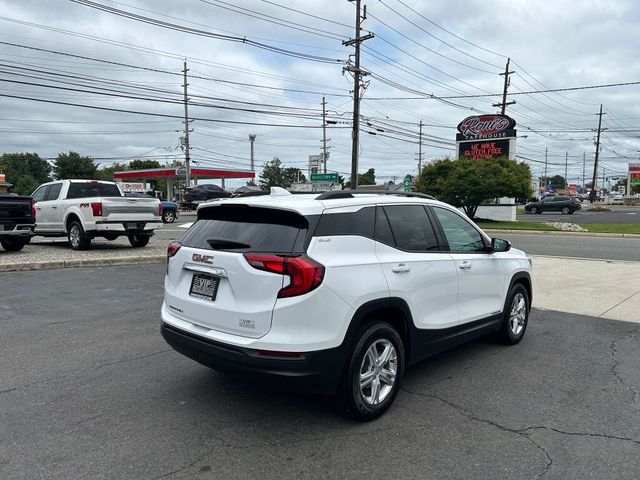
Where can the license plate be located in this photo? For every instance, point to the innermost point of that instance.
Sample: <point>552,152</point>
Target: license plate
<point>134,226</point>
<point>204,286</point>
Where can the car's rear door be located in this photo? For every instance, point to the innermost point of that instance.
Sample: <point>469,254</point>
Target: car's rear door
<point>211,284</point>
<point>50,210</point>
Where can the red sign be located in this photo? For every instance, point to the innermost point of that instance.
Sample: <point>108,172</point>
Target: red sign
<point>486,126</point>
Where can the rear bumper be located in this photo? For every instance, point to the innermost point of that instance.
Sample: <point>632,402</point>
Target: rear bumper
<point>19,230</point>
<point>146,227</point>
<point>317,372</point>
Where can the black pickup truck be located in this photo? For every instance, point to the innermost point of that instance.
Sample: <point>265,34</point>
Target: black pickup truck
<point>17,219</point>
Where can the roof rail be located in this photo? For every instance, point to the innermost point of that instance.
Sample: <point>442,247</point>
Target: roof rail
<point>335,194</point>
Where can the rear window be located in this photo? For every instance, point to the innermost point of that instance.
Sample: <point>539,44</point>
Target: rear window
<point>90,189</point>
<point>240,228</point>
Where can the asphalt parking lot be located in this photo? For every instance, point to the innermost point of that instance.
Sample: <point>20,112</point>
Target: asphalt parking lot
<point>89,389</point>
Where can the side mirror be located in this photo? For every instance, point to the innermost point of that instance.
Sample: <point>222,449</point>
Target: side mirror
<point>500,245</point>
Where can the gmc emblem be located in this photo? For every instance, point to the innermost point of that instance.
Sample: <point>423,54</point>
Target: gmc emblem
<point>196,257</point>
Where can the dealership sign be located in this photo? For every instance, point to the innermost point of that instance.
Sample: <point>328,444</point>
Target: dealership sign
<point>481,127</point>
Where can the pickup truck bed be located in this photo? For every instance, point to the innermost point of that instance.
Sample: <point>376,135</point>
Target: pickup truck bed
<point>16,221</point>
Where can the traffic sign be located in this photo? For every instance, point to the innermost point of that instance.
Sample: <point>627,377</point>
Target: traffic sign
<point>324,177</point>
<point>406,183</point>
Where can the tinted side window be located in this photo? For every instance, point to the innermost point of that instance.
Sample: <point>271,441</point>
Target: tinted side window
<point>460,234</point>
<point>353,223</point>
<point>411,228</point>
<point>383,230</point>
<point>40,193</point>
<point>54,191</point>
<point>242,229</point>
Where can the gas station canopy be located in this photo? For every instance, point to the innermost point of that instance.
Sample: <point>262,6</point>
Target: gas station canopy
<point>172,174</point>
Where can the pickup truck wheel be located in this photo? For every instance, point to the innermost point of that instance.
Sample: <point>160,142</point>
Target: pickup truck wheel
<point>373,373</point>
<point>168,216</point>
<point>138,241</point>
<point>13,244</point>
<point>78,239</point>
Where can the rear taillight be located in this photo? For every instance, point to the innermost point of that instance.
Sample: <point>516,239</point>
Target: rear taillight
<point>171,251</point>
<point>304,273</point>
<point>96,208</point>
<point>33,208</point>
<point>159,209</point>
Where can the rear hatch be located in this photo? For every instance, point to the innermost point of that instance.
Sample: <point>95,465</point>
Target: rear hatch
<point>210,282</point>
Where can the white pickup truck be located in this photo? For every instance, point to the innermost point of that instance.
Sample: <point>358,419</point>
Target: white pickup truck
<point>84,209</point>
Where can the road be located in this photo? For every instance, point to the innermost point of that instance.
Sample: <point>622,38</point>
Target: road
<point>617,215</point>
<point>578,246</point>
<point>89,390</point>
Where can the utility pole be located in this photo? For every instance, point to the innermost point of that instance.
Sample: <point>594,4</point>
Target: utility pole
<point>507,82</point>
<point>357,73</point>
<point>325,154</point>
<point>420,149</point>
<point>252,138</point>
<point>566,160</point>
<point>592,195</point>
<point>584,178</point>
<point>187,155</point>
<point>545,168</point>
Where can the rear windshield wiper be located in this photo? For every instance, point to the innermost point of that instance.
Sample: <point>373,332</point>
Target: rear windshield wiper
<point>223,243</point>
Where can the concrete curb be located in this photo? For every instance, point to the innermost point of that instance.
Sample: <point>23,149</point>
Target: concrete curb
<point>561,233</point>
<point>84,262</point>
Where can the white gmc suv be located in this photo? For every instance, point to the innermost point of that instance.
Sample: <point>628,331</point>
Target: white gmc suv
<point>338,293</point>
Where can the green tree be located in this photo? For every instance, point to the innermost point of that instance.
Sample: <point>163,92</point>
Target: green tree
<point>467,183</point>
<point>25,170</point>
<point>139,164</point>
<point>106,172</point>
<point>73,165</point>
<point>366,178</point>
<point>557,182</point>
<point>275,175</point>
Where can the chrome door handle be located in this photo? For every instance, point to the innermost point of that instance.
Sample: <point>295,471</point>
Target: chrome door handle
<point>400,268</point>
<point>54,206</point>
<point>464,265</point>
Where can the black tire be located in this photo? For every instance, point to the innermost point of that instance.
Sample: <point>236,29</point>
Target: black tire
<point>512,330</point>
<point>110,236</point>
<point>78,239</point>
<point>138,241</point>
<point>566,210</point>
<point>13,244</point>
<point>168,216</point>
<point>351,397</point>
<point>534,210</point>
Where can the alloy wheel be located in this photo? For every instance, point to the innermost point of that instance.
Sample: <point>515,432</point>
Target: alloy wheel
<point>378,372</point>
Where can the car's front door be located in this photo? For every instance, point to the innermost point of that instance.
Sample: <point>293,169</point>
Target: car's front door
<point>38,196</point>
<point>481,274</point>
<point>414,266</point>
<point>50,211</point>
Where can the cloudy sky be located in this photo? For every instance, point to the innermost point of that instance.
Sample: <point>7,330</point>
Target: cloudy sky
<point>71,52</point>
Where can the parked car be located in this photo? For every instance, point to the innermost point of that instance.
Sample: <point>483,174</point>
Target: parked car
<point>17,218</point>
<point>85,209</point>
<point>169,209</point>
<point>338,293</point>
<point>565,205</point>
<point>202,193</point>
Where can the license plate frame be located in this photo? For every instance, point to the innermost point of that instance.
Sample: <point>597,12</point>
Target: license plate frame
<point>206,286</point>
